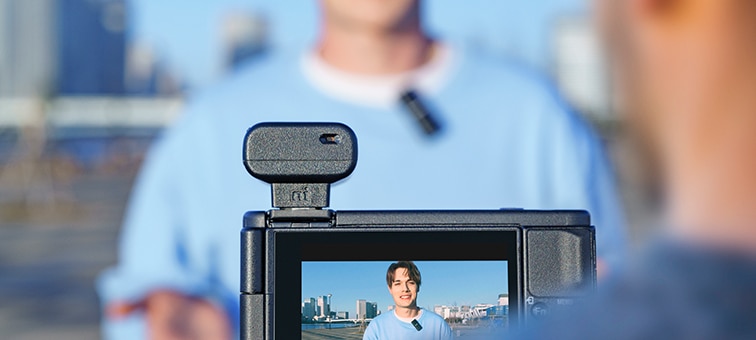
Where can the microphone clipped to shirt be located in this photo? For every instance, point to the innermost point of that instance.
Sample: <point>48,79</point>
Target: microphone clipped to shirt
<point>422,114</point>
<point>417,325</point>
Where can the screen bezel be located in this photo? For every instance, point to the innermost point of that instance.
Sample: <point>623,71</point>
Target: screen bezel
<point>290,246</point>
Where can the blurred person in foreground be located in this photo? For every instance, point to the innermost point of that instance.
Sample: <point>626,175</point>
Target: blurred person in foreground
<point>687,68</point>
<point>506,141</point>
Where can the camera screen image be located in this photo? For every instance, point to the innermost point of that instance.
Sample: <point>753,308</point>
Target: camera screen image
<point>335,283</point>
<point>341,298</point>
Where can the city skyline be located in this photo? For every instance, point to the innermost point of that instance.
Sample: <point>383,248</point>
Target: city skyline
<point>472,282</point>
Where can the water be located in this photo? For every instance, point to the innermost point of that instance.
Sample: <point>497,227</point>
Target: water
<point>328,325</point>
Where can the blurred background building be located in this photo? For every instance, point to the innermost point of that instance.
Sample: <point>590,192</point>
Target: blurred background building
<point>60,48</point>
<point>28,45</point>
<point>90,47</point>
<point>86,86</point>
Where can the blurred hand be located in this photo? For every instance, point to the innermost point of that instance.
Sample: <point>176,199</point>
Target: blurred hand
<point>172,316</point>
<point>602,270</point>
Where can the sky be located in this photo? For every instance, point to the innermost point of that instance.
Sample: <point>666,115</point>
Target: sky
<point>185,33</point>
<point>443,283</point>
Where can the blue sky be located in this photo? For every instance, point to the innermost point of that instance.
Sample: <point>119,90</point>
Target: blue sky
<point>185,33</point>
<point>443,283</point>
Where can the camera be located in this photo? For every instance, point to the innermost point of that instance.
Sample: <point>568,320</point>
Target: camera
<point>481,269</point>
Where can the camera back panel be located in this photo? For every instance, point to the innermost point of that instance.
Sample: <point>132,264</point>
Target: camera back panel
<point>550,256</point>
<point>537,261</point>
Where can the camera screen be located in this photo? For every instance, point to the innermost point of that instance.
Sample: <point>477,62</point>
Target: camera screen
<point>341,298</point>
<point>333,282</point>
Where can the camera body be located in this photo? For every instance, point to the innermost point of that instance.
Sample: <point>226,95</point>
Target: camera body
<point>538,261</point>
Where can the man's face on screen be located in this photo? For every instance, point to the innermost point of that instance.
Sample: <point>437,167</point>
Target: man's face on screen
<point>403,289</point>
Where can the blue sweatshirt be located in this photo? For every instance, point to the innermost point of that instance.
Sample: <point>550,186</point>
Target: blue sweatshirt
<point>388,326</point>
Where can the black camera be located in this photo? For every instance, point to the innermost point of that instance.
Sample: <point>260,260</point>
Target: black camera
<point>482,269</point>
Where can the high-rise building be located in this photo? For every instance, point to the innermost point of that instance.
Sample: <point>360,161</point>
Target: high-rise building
<point>580,68</point>
<point>91,47</point>
<point>371,310</point>
<point>324,305</point>
<point>309,308</point>
<point>503,300</point>
<point>68,47</point>
<point>366,309</point>
<point>361,309</point>
<point>27,47</point>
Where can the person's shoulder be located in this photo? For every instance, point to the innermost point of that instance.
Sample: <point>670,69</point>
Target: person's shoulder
<point>506,92</point>
<point>522,88</point>
<point>379,324</point>
<point>384,317</point>
<point>268,70</point>
<point>495,68</point>
<point>259,83</point>
<point>270,65</point>
<point>434,322</point>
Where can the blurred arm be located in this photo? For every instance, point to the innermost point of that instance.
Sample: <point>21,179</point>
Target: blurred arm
<point>153,288</point>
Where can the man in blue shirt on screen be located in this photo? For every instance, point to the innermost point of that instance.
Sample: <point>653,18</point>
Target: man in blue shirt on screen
<point>407,320</point>
<point>505,140</point>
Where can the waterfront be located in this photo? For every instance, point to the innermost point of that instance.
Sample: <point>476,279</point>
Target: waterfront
<point>460,332</point>
<point>352,333</point>
<point>52,250</point>
<point>326,325</point>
